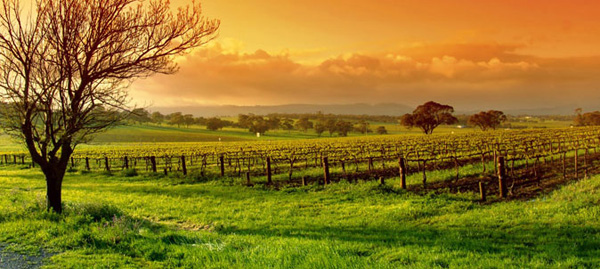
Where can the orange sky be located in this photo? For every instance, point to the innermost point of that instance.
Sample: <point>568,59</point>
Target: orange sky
<point>470,54</point>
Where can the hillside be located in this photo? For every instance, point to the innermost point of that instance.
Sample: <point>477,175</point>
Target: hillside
<point>342,109</point>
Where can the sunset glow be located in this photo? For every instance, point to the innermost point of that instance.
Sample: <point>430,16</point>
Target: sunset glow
<point>299,134</point>
<point>472,54</point>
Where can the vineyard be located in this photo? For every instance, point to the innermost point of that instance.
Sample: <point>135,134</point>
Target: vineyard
<point>530,157</point>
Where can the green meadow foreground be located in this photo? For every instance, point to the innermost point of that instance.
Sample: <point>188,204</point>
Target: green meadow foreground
<point>123,220</point>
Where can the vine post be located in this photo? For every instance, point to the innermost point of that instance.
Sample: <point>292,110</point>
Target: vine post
<point>402,169</point>
<point>502,177</point>
<point>326,179</point>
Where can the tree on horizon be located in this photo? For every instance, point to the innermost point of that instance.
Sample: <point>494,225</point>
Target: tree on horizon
<point>488,120</point>
<point>429,116</point>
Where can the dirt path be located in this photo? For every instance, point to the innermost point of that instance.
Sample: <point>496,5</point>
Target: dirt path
<point>13,260</point>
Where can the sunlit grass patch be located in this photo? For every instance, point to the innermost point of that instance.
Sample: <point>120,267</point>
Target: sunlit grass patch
<point>132,222</point>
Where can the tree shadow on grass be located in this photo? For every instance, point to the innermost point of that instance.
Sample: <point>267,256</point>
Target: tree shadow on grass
<point>550,244</point>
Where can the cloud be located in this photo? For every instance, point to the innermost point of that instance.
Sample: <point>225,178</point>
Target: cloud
<point>470,76</point>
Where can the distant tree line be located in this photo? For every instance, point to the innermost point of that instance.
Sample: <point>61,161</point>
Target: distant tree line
<point>587,119</point>
<point>488,120</point>
<point>143,116</point>
<point>430,115</point>
<point>319,122</point>
<point>426,117</point>
<point>352,118</point>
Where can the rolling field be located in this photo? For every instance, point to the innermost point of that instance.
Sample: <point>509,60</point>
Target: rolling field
<point>165,133</point>
<point>156,222</point>
<point>130,219</point>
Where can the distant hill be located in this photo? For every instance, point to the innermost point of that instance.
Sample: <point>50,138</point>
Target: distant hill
<point>570,110</point>
<point>389,109</point>
<point>539,111</point>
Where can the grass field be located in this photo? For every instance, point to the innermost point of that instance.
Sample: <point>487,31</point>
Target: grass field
<point>118,221</point>
<point>166,133</point>
<point>126,220</point>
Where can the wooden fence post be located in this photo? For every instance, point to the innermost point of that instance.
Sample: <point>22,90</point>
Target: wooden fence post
<point>87,163</point>
<point>482,191</point>
<point>106,165</point>
<point>183,166</point>
<point>402,173</point>
<point>326,179</point>
<point>269,179</point>
<point>501,177</point>
<point>222,163</point>
<point>153,163</point>
<point>126,162</point>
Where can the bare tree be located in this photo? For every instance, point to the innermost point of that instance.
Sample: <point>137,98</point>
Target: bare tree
<point>65,68</point>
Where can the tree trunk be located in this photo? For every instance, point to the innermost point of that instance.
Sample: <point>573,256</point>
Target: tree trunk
<point>54,169</point>
<point>54,178</point>
<point>54,194</point>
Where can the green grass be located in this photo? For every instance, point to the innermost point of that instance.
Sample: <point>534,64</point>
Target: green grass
<point>9,144</point>
<point>166,133</point>
<point>134,221</point>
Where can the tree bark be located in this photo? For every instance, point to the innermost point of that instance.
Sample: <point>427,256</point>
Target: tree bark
<point>54,193</point>
<point>54,172</point>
